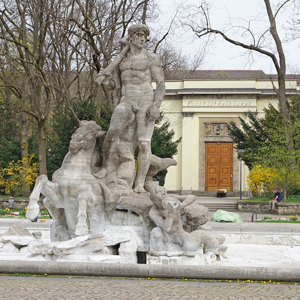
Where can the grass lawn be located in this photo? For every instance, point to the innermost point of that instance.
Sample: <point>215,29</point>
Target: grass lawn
<point>284,219</point>
<point>17,197</point>
<point>290,198</point>
<point>276,221</point>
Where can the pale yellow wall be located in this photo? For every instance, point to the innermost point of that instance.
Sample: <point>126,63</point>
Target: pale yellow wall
<point>195,157</point>
<point>208,84</point>
<point>172,113</point>
<point>262,103</point>
<point>187,153</point>
<point>267,84</point>
<point>171,106</point>
<point>172,85</point>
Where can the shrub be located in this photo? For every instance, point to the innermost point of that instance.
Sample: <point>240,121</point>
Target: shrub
<point>260,177</point>
<point>16,173</point>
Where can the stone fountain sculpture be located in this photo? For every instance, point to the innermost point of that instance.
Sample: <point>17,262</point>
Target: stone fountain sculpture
<point>112,208</point>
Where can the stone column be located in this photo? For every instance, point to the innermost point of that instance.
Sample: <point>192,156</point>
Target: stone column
<point>187,152</point>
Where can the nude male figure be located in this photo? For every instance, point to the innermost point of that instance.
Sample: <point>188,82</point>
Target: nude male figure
<point>138,103</point>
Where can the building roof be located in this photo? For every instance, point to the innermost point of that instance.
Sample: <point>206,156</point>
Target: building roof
<point>224,75</point>
<point>205,82</point>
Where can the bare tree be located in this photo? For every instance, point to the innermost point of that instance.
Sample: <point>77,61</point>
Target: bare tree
<point>256,44</point>
<point>25,25</point>
<point>53,49</point>
<point>293,24</point>
<point>100,25</point>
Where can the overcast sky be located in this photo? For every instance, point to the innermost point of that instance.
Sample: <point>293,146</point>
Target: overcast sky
<point>223,55</point>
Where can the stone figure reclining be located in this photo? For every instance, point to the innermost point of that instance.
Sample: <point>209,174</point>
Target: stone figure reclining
<point>169,235</point>
<point>169,238</point>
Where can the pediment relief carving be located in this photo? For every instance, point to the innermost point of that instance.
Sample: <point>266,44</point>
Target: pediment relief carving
<point>216,128</point>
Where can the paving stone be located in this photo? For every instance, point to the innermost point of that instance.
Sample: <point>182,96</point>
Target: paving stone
<point>23,288</point>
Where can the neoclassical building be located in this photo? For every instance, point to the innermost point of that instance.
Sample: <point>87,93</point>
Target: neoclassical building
<point>199,108</point>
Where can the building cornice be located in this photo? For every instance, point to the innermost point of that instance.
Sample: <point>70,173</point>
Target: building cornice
<point>228,92</point>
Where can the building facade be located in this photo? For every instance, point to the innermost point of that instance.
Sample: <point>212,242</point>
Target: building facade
<point>199,109</point>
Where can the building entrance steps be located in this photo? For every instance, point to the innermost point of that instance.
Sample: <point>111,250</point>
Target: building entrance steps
<point>213,203</point>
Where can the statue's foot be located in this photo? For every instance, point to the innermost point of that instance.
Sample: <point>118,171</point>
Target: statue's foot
<point>101,173</point>
<point>139,189</point>
<point>168,162</point>
<point>81,230</point>
<point>162,163</point>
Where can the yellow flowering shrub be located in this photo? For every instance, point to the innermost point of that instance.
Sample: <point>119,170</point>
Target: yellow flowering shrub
<point>2,182</point>
<point>258,177</point>
<point>16,173</point>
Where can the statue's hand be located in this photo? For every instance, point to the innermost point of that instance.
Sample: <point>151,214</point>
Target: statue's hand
<point>153,113</point>
<point>170,204</point>
<point>103,77</point>
<point>125,40</point>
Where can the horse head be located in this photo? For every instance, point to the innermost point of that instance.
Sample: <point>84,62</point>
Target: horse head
<point>85,136</point>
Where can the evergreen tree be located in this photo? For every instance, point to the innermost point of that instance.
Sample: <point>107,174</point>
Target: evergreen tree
<point>250,137</point>
<point>163,146</point>
<point>266,143</point>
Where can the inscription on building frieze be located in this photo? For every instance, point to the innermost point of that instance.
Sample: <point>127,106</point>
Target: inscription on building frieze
<point>224,103</point>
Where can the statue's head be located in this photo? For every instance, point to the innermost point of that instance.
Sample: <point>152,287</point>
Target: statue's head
<point>138,28</point>
<point>158,194</point>
<point>138,34</point>
<point>85,136</point>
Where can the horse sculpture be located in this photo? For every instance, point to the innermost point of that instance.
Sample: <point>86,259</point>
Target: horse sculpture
<point>74,191</point>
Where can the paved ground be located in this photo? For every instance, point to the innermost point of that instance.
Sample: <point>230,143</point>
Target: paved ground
<point>23,288</point>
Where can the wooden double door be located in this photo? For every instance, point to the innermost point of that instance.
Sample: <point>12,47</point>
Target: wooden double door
<point>218,166</point>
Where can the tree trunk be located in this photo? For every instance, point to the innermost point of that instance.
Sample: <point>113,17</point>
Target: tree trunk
<point>145,12</point>
<point>42,147</point>
<point>24,150</point>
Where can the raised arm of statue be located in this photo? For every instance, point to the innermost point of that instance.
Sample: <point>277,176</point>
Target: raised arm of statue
<point>190,199</point>
<point>106,74</point>
<point>125,40</point>
<point>186,200</point>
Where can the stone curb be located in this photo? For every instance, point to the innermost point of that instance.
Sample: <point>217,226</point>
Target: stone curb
<point>153,271</point>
